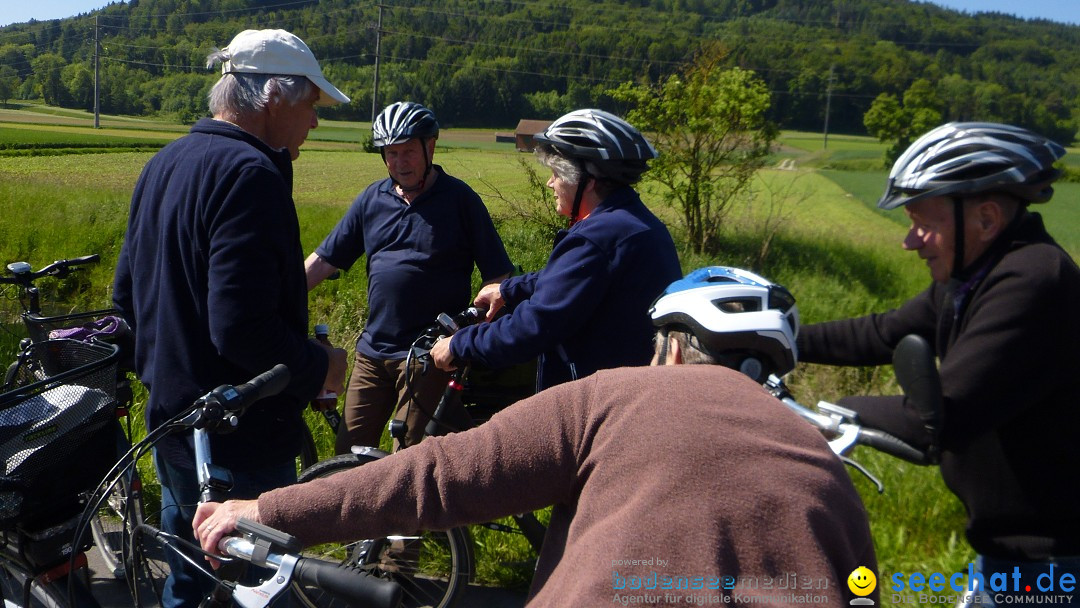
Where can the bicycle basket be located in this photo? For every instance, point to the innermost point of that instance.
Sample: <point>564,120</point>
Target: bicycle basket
<point>43,328</point>
<point>56,439</point>
<point>103,325</point>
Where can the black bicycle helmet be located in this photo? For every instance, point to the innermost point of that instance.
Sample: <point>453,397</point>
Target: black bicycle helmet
<point>608,146</point>
<point>743,320</point>
<point>963,158</point>
<point>402,121</point>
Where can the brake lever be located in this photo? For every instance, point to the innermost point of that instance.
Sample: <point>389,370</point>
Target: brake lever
<point>858,467</point>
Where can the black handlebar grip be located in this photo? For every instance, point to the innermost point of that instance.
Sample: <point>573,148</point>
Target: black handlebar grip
<point>357,587</point>
<point>880,440</point>
<point>266,384</point>
<point>86,259</point>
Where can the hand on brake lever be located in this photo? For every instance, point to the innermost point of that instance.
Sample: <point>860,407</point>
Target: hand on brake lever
<point>214,521</point>
<point>441,355</point>
<point>489,297</point>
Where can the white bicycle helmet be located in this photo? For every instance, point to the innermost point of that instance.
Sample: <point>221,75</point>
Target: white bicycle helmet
<point>402,121</point>
<point>609,147</point>
<point>742,319</point>
<point>961,158</point>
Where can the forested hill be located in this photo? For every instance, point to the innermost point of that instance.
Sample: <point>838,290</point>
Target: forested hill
<point>489,63</point>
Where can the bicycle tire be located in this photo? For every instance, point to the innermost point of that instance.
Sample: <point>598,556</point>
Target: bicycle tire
<point>309,454</point>
<point>433,568</point>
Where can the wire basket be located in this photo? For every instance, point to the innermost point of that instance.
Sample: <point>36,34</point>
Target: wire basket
<point>40,327</point>
<point>104,325</point>
<point>58,433</point>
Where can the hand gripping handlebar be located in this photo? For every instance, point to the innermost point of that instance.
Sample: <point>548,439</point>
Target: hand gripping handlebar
<point>269,548</point>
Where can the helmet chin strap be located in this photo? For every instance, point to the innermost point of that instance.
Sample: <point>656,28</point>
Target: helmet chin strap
<point>575,209</point>
<point>958,240</point>
<point>661,355</point>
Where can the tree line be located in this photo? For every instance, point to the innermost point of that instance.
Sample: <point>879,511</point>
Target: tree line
<point>490,63</point>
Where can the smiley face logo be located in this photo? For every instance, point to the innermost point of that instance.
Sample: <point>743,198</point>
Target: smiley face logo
<point>862,581</point>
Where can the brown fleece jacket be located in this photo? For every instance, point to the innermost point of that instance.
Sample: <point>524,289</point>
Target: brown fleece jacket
<point>668,482</point>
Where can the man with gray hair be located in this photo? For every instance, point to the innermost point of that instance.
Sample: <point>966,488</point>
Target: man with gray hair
<point>211,276</point>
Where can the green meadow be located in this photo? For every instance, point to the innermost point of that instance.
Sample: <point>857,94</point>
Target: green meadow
<point>64,191</point>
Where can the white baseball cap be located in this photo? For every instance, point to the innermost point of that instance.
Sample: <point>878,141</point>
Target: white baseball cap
<point>278,52</point>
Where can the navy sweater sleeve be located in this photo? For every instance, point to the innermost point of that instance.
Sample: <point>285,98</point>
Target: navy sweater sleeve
<point>519,288</point>
<point>565,294</point>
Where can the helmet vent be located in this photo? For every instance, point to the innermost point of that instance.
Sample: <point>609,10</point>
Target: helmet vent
<point>738,305</point>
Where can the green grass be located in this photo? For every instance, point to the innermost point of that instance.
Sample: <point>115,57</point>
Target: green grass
<point>37,136</point>
<point>837,253</point>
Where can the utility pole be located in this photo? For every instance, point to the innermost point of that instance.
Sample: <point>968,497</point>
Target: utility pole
<point>828,102</point>
<point>375,91</point>
<point>97,53</point>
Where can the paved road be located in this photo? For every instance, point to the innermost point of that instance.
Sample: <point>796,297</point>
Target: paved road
<point>113,593</point>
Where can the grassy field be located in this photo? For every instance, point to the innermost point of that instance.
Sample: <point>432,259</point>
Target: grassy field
<point>835,251</point>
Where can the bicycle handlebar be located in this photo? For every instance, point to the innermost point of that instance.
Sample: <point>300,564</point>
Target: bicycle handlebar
<point>220,408</point>
<point>845,428</point>
<point>356,587</point>
<point>23,274</point>
<point>266,384</point>
<point>893,446</point>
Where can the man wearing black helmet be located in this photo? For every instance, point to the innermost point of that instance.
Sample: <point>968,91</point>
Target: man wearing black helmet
<point>421,230</point>
<point>1001,316</point>
<point>751,508</point>
<point>584,310</point>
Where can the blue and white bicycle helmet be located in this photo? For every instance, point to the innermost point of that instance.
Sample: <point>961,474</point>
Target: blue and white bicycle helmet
<point>963,158</point>
<point>743,320</point>
<point>402,121</point>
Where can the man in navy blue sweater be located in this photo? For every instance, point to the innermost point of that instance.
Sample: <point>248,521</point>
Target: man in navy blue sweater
<point>211,277</point>
<point>586,310</point>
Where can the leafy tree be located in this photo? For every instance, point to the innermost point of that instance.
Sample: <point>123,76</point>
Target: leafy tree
<point>47,71</point>
<point>709,126</point>
<point>78,81</point>
<point>9,83</point>
<point>890,121</point>
<point>184,95</point>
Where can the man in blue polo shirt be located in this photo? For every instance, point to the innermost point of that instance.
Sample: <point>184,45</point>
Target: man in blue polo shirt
<point>421,230</point>
<point>587,309</point>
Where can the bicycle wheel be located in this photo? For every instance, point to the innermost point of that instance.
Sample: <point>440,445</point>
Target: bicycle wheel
<point>144,555</point>
<point>119,514</point>
<point>432,568</point>
<point>117,518</point>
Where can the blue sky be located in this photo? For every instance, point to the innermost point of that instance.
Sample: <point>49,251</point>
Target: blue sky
<point>1068,11</point>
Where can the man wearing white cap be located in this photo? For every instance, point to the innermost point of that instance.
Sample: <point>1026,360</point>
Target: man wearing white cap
<point>211,276</point>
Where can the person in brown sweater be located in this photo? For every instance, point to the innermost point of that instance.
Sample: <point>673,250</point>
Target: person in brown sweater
<point>673,484</point>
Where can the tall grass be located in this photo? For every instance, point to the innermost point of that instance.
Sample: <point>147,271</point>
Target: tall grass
<point>837,253</point>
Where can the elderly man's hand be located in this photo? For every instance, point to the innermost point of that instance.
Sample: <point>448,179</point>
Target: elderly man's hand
<point>490,297</point>
<point>441,355</point>
<point>214,521</point>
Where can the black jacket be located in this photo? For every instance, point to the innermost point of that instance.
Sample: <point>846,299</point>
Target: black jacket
<point>211,277</point>
<point>1008,359</point>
